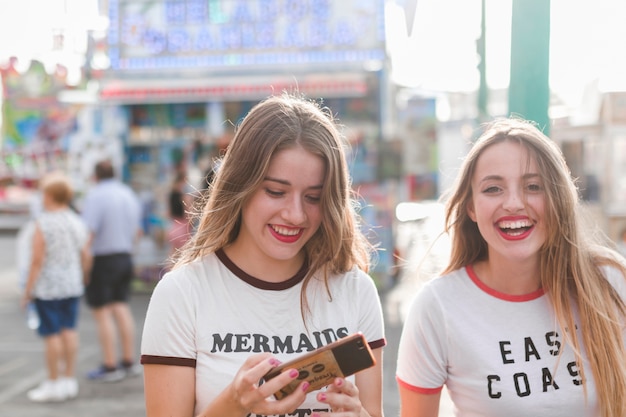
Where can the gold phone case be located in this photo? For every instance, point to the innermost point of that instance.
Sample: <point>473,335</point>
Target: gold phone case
<point>320,367</point>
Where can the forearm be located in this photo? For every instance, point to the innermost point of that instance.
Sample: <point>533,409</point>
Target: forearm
<point>370,385</point>
<point>170,391</point>
<point>370,409</point>
<point>86,265</point>
<point>224,405</point>
<point>33,274</point>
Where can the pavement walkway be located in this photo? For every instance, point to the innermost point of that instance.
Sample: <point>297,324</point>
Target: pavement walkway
<point>22,361</point>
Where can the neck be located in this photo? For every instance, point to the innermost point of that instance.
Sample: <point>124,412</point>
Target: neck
<point>510,278</point>
<point>52,206</point>
<point>262,267</point>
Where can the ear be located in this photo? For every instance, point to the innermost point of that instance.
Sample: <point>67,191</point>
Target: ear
<point>470,211</point>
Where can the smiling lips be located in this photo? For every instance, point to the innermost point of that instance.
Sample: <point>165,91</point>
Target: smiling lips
<point>286,234</point>
<point>516,229</point>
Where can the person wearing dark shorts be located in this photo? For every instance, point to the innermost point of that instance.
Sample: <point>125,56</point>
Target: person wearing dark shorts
<point>110,280</point>
<point>112,212</point>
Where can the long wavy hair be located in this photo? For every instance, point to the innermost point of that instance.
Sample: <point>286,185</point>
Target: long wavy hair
<point>278,123</point>
<point>570,258</point>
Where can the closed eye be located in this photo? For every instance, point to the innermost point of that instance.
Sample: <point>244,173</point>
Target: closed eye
<point>314,199</point>
<point>491,190</point>
<point>274,193</point>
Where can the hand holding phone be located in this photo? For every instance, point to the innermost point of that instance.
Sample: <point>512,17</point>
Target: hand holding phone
<point>320,367</point>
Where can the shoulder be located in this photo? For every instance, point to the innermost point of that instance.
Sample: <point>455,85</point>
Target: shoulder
<point>45,219</point>
<point>130,193</point>
<point>616,278</point>
<point>174,288</point>
<point>76,220</point>
<point>188,278</point>
<point>127,188</point>
<point>94,194</point>
<point>353,287</point>
<point>446,282</point>
<point>355,278</point>
<point>72,215</point>
<point>444,288</point>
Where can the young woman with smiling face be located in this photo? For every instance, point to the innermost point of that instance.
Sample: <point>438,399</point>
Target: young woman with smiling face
<point>508,209</point>
<point>276,268</point>
<point>281,216</point>
<point>529,316</point>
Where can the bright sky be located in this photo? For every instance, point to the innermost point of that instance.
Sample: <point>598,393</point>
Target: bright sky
<point>26,27</point>
<point>586,44</point>
<point>586,41</point>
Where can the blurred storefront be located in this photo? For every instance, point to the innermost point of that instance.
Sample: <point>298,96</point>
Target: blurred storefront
<point>182,73</point>
<point>596,155</point>
<point>35,130</point>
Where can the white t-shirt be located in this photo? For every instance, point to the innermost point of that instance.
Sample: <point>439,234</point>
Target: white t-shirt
<point>497,354</point>
<point>211,315</point>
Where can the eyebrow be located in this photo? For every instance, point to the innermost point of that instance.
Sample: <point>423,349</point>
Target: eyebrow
<point>530,175</point>
<point>285,182</point>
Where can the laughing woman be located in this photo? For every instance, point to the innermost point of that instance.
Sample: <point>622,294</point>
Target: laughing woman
<point>528,318</point>
<point>277,267</point>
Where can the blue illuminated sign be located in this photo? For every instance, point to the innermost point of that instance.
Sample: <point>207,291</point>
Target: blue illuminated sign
<point>224,34</point>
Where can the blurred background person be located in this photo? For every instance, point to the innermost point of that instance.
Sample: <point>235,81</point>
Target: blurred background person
<point>112,212</point>
<point>179,204</point>
<point>60,261</point>
<point>24,244</point>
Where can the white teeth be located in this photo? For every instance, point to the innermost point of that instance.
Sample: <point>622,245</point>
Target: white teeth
<point>515,225</point>
<point>284,231</point>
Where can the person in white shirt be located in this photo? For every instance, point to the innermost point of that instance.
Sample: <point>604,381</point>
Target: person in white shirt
<point>529,315</point>
<point>277,267</point>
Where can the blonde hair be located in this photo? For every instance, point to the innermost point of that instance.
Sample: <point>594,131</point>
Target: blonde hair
<point>275,124</point>
<point>57,185</point>
<point>570,259</point>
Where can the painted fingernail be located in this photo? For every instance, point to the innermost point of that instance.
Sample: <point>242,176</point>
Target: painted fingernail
<point>339,382</point>
<point>274,362</point>
<point>321,397</point>
<point>293,373</point>
<point>305,386</point>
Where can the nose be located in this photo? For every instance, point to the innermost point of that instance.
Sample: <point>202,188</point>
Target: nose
<point>514,201</point>
<point>294,211</point>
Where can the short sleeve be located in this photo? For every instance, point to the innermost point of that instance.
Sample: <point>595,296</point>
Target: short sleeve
<point>617,280</point>
<point>169,327</point>
<point>422,354</point>
<point>371,316</point>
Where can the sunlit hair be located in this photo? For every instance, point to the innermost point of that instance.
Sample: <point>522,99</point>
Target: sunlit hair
<point>58,187</point>
<point>275,124</point>
<point>569,259</point>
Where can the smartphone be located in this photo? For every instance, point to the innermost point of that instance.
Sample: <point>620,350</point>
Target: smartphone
<point>320,367</point>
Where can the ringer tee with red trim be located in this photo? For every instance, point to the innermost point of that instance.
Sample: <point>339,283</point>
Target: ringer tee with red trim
<point>212,316</point>
<point>497,354</point>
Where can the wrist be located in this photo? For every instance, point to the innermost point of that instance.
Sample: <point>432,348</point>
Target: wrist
<point>233,400</point>
<point>226,404</point>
